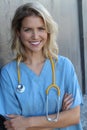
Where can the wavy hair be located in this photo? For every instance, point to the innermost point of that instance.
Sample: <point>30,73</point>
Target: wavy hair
<point>37,9</point>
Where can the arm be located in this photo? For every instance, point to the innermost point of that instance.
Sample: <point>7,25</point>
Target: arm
<point>66,118</point>
<point>67,101</point>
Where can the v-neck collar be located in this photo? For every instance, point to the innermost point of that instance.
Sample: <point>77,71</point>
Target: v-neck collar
<point>32,73</point>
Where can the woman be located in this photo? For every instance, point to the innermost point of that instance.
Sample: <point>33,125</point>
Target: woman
<point>25,80</point>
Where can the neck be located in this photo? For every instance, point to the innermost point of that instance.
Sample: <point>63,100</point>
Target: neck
<point>35,58</point>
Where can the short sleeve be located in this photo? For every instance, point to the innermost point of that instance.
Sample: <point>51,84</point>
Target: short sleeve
<point>9,103</point>
<point>72,85</point>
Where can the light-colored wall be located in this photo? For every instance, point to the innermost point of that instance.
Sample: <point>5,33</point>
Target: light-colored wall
<point>65,14</point>
<point>68,39</point>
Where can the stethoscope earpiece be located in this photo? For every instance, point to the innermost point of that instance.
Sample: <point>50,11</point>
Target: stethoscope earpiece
<point>20,88</point>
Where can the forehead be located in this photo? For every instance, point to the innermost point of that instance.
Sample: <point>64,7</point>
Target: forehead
<point>33,21</point>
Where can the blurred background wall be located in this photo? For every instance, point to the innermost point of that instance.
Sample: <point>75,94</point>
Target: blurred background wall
<point>71,17</point>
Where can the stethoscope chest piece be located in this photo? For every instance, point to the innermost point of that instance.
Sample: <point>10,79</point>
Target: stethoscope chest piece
<point>20,88</point>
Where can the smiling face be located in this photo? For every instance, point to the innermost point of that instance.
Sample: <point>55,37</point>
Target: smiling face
<point>33,34</point>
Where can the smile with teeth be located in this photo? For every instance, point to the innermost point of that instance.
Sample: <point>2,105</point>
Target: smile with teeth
<point>35,43</point>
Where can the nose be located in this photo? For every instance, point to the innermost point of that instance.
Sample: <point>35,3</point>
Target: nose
<point>35,34</point>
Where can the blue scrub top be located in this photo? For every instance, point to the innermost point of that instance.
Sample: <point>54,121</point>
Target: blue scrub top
<point>32,102</point>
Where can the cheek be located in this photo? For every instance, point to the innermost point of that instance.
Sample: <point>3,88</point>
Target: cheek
<point>45,36</point>
<point>24,36</point>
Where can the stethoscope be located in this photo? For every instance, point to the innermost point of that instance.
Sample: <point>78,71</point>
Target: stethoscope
<point>21,89</point>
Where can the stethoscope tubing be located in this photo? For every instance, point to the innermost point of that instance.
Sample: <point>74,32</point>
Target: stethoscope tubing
<point>21,89</point>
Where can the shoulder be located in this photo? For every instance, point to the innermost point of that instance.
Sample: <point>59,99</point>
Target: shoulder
<point>64,62</point>
<point>65,66</point>
<point>63,59</point>
<point>9,67</point>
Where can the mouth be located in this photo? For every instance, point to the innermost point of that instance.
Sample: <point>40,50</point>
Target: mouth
<point>35,42</point>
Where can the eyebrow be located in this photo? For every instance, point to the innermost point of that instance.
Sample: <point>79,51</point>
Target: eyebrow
<point>37,27</point>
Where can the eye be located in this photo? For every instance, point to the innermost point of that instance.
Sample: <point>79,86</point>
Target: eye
<point>41,29</point>
<point>27,29</point>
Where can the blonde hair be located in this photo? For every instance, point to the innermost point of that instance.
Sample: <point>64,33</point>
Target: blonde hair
<point>29,9</point>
